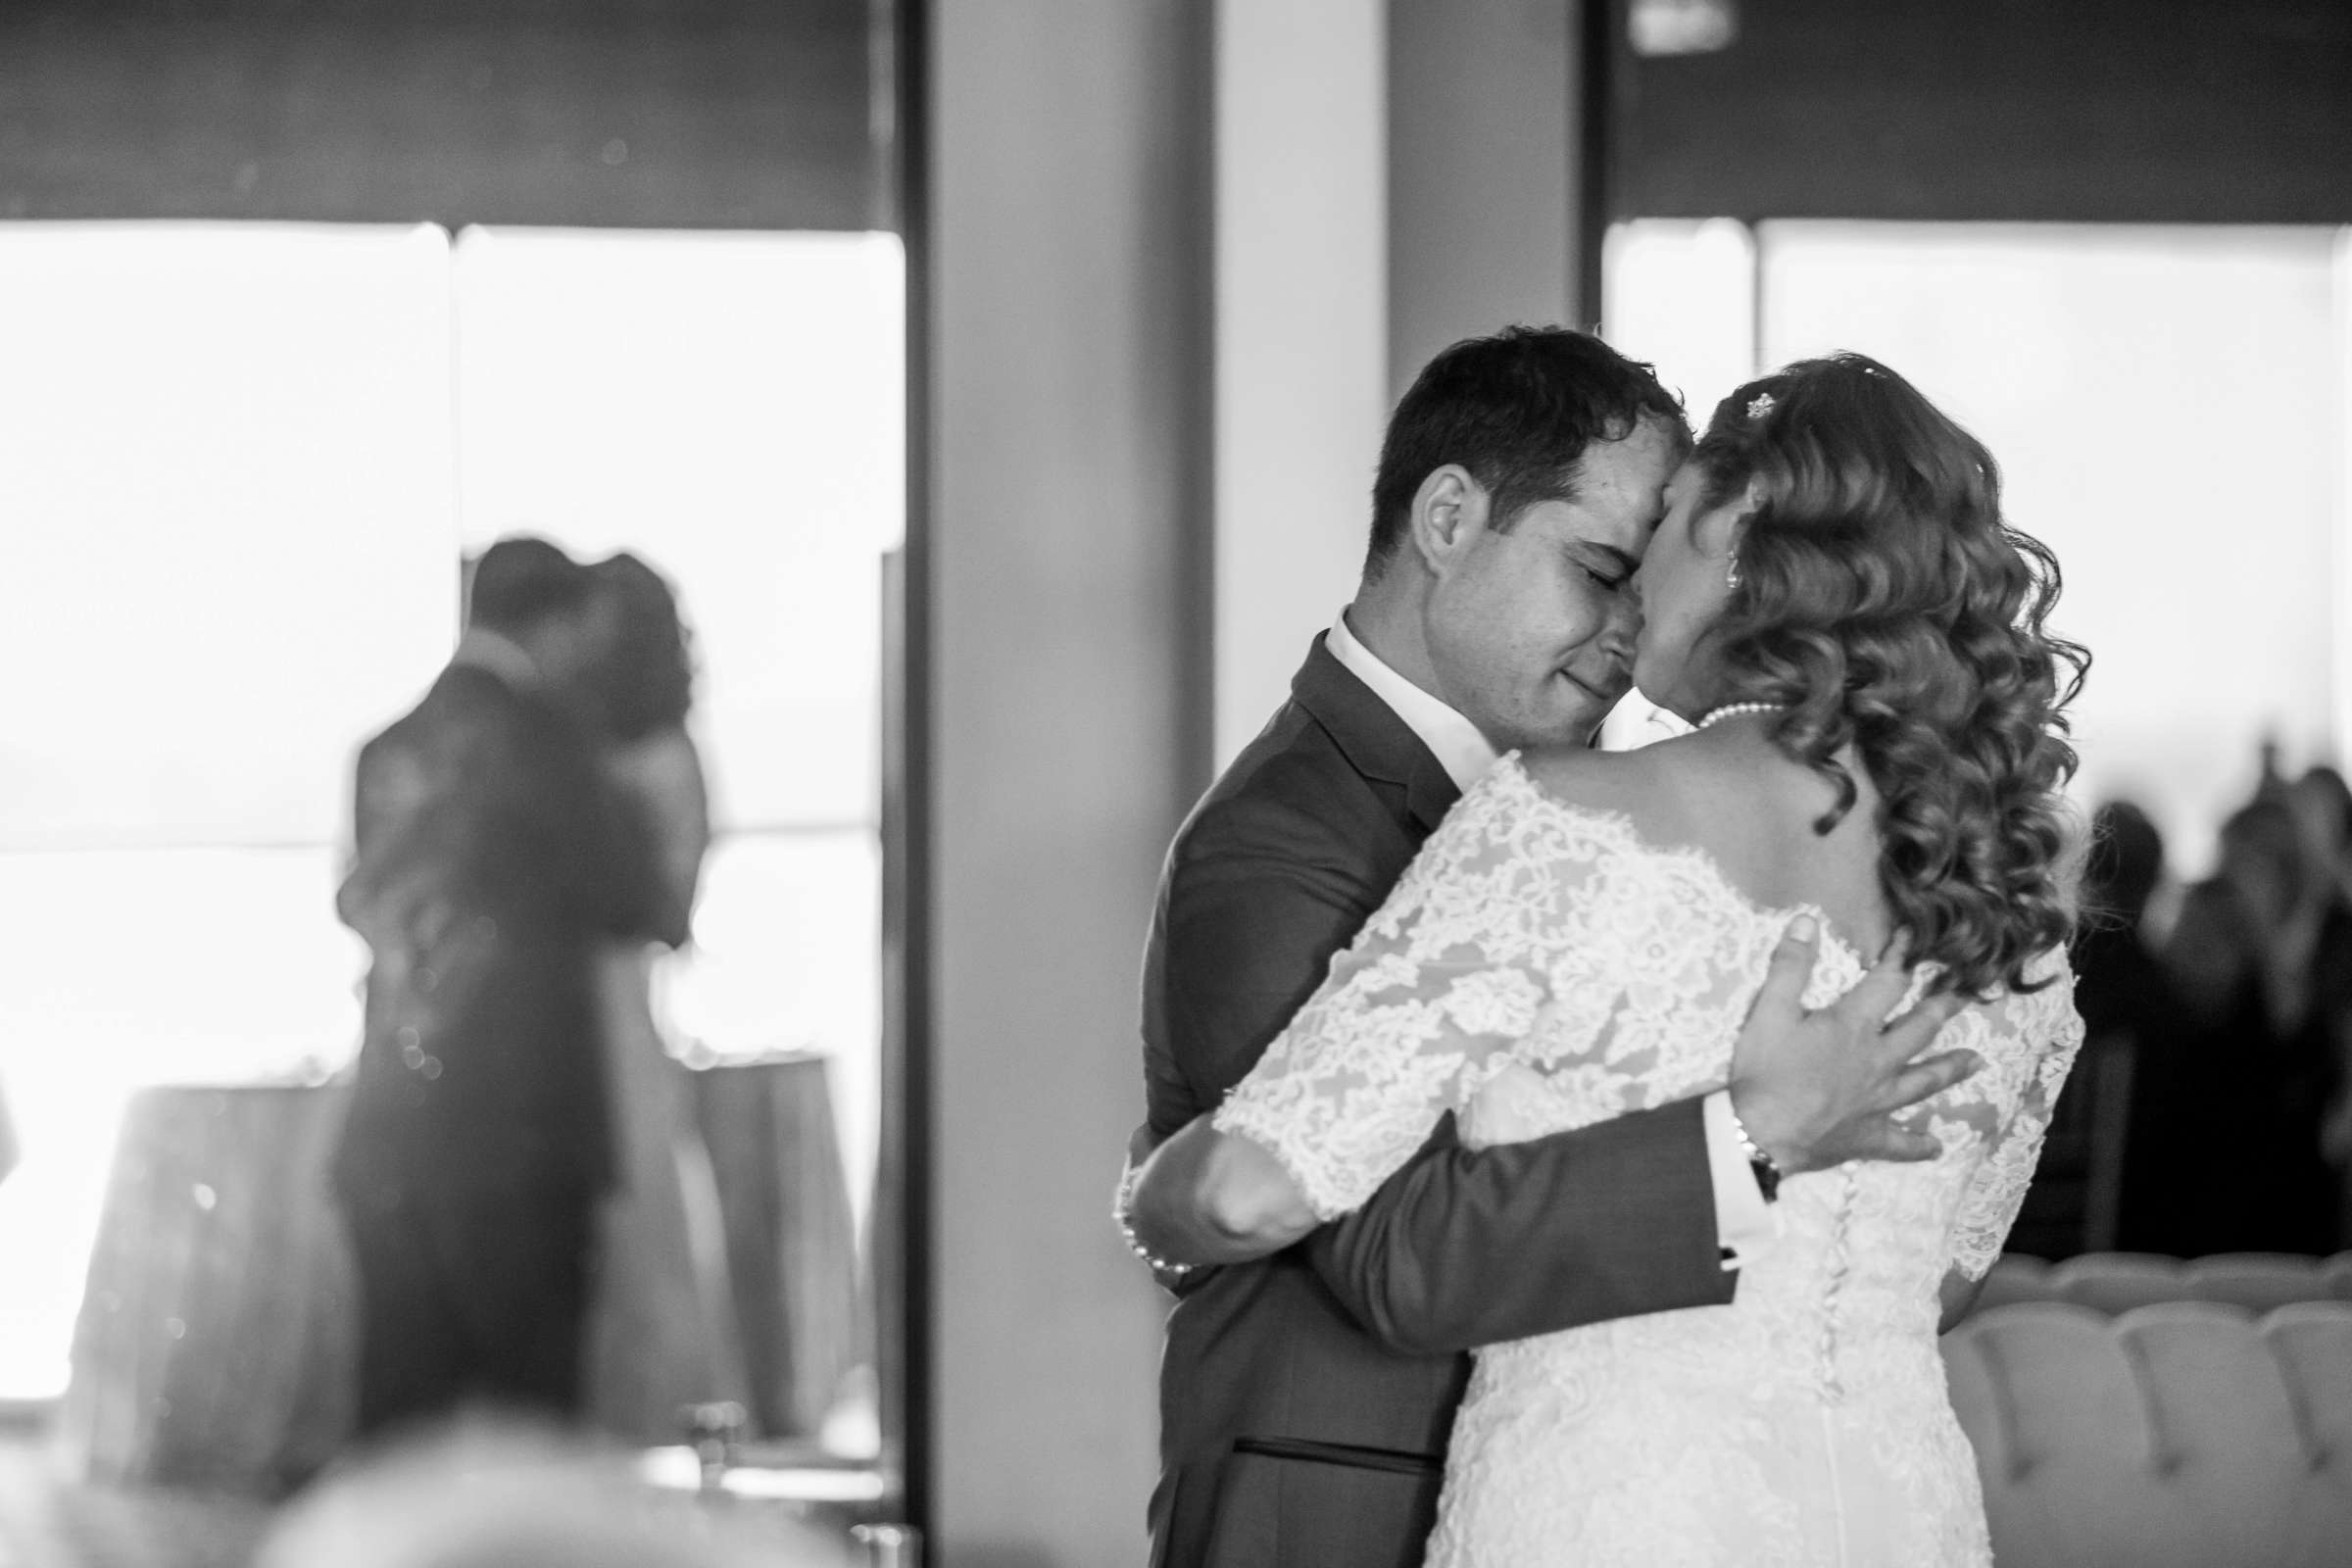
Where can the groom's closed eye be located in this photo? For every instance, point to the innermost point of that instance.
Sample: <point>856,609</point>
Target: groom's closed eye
<point>1605,564</point>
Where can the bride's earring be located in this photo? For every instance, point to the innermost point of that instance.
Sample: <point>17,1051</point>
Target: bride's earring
<point>1731,573</point>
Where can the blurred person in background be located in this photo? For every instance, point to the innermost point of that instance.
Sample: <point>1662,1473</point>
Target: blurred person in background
<point>516,1497</point>
<point>2323,805</point>
<point>2225,1149</point>
<point>2120,987</point>
<point>663,1335</point>
<point>493,860</point>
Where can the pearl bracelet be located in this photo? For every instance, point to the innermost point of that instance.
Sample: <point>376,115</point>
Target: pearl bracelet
<point>1123,1208</point>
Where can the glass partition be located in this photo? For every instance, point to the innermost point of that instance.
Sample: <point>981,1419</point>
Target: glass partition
<point>252,464</point>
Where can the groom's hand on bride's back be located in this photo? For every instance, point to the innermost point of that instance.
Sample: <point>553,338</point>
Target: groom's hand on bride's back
<point>1816,1088</point>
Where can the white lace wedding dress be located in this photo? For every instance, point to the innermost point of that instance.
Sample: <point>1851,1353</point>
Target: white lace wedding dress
<point>1541,967</point>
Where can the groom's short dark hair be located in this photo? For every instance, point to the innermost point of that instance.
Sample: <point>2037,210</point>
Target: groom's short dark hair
<point>521,581</point>
<point>1516,410</point>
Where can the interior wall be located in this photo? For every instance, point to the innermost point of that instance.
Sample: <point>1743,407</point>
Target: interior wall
<point>1480,172</point>
<point>1301,327</point>
<point>1069,156</point>
<point>1392,176</point>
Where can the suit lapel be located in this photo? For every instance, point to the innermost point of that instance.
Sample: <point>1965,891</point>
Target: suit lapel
<point>1376,742</point>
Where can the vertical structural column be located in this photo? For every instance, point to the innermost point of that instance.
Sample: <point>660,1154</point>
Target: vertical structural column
<point>1482,172</point>
<point>1068,342</point>
<point>1301,331</point>
<point>2340,705</point>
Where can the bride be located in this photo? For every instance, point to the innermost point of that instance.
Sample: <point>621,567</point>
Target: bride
<point>1834,599</point>
<point>663,1337</point>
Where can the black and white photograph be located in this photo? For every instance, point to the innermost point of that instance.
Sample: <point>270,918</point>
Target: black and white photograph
<point>1178,783</point>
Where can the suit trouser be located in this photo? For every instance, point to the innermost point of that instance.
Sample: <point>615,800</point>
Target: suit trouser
<point>1289,1503</point>
<point>471,1294</point>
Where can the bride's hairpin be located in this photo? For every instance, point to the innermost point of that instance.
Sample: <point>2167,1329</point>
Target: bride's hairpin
<point>1760,405</point>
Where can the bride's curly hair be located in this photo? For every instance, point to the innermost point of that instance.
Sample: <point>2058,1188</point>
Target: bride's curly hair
<point>1882,600</point>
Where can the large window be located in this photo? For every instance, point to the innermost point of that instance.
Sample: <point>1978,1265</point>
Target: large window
<point>242,465</point>
<point>2170,407</point>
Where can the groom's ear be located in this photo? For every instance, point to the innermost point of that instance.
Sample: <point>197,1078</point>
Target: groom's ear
<point>1449,511</point>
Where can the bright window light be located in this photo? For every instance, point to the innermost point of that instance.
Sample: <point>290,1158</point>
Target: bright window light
<point>225,455</point>
<point>1682,296</point>
<point>2165,406</point>
<point>732,407</point>
<point>244,463</point>
<point>2170,409</point>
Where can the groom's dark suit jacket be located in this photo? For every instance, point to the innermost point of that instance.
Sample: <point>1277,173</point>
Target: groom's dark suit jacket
<point>492,861</point>
<point>1305,1399</point>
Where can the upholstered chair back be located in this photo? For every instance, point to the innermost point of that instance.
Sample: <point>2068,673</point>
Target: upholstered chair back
<point>2176,1435</point>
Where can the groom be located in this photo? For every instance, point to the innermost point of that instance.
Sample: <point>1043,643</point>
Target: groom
<point>1305,1399</point>
<point>491,857</point>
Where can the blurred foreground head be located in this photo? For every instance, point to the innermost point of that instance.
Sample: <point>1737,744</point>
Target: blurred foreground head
<point>514,1498</point>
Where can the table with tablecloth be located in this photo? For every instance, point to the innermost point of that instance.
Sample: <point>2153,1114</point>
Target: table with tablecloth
<point>215,1340</point>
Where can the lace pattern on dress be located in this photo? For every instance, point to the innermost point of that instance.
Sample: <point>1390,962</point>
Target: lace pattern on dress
<point>1541,967</point>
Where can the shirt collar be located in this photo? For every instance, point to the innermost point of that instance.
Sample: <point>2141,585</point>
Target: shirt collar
<point>1454,740</point>
<point>1664,724</point>
<point>1637,721</point>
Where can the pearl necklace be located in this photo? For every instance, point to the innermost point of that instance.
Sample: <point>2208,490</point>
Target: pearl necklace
<point>1735,709</point>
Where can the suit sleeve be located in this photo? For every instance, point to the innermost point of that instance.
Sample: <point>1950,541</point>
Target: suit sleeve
<point>354,894</point>
<point>1257,908</point>
<point>1464,1246</point>
<point>1460,1246</point>
<point>403,836</point>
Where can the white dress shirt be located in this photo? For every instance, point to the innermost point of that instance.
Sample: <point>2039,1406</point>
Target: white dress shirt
<point>1743,1219</point>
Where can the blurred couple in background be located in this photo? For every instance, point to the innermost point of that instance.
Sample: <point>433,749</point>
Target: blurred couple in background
<point>518,1176</point>
<point>2239,1013</point>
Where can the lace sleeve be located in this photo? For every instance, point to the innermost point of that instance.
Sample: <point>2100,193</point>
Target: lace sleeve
<point>1998,1188</point>
<point>1423,1008</point>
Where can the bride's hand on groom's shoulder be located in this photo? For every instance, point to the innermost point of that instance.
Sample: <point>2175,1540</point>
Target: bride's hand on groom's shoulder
<point>1818,1088</point>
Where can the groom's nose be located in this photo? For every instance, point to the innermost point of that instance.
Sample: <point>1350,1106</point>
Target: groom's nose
<point>1623,630</point>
